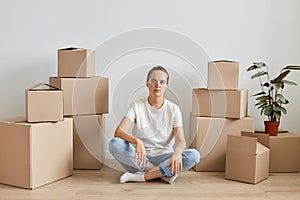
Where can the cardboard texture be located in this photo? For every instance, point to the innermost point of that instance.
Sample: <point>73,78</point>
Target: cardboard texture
<point>35,154</point>
<point>88,141</point>
<point>220,103</point>
<point>246,160</point>
<point>209,136</point>
<point>284,150</point>
<point>83,96</point>
<point>44,105</point>
<point>76,62</point>
<point>223,75</point>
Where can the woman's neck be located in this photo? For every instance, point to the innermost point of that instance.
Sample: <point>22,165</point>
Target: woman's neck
<point>156,102</point>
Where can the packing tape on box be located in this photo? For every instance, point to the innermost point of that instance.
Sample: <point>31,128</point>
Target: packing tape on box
<point>45,84</point>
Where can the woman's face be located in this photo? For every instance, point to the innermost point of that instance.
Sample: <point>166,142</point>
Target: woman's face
<point>157,83</point>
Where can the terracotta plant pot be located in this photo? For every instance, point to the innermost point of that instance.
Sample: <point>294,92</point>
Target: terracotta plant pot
<point>271,128</point>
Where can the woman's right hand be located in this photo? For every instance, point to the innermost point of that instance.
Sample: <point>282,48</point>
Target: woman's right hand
<point>140,153</point>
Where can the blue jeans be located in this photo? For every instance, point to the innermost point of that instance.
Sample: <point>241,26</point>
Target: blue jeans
<point>124,153</point>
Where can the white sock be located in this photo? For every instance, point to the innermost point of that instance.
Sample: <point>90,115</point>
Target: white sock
<point>169,180</point>
<point>138,177</point>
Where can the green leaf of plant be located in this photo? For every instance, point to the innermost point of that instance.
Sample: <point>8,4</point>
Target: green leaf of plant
<point>262,98</point>
<point>260,93</point>
<point>288,82</point>
<point>276,86</point>
<point>262,106</point>
<point>260,103</point>
<point>287,101</point>
<point>280,97</point>
<point>268,110</point>
<point>276,108</point>
<point>277,115</point>
<point>259,64</point>
<point>280,102</point>
<point>262,110</point>
<point>252,68</point>
<point>258,74</point>
<point>291,67</point>
<point>283,110</point>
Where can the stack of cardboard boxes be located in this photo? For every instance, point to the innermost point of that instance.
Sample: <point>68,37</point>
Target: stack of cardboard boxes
<point>284,150</point>
<point>38,149</point>
<point>85,100</point>
<point>217,111</point>
<point>250,164</point>
<point>63,128</point>
<point>224,134</point>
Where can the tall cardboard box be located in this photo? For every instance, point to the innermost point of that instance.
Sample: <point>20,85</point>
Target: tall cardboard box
<point>35,154</point>
<point>220,103</point>
<point>83,96</point>
<point>223,75</point>
<point>44,104</point>
<point>246,159</point>
<point>76,62</point>
<point>284,150</point>
<point>88,141</point>
<point>209,136</point>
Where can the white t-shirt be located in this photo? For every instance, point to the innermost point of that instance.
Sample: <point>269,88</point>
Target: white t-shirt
<point>155,126</point>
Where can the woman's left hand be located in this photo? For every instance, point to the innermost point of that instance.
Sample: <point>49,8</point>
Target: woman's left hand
<point>176,163</point>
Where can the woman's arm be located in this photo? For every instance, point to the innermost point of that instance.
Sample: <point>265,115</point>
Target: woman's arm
<point>122,132</point>
<point>180,145</point>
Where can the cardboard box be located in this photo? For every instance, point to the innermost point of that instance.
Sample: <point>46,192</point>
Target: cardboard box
<point>284,150</point>
<point>88,141</point>
<point>209,136</point>
<point>35,154</point>
<point>83,96</point>
<point>44,105</point>
<point>76,62</point>
<point>223,75</point>
<point>246,159</point>
<point>220,103</point>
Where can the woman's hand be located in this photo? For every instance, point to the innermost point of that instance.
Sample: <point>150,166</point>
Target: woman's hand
<point>140,153</point>
<point>176,162</point>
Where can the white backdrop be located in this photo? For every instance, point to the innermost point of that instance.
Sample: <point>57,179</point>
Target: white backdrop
<point>245,31</point>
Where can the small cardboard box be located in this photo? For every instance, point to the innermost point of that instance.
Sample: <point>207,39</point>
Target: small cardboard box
<point>223,75</point>
<point>88,141</point>
<point>35,154</point>
<point>44,105</point>
<point>76,62</point>
<point>284,150</point>
<point>220,103</point>
<point>246,159</point>
<point>209,136</point>
<point>83,96</point>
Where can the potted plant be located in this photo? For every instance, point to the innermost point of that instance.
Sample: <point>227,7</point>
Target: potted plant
<point>270,99</point>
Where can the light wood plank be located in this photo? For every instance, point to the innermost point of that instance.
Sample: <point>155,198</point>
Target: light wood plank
<point>104,184</point>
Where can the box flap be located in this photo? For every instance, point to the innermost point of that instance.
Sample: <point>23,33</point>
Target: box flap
<point>241,144</point>
<point>262,138</point>
<point>229,61</point>
<point>69,48</point>
<point>261,148</point>
<point>41,86</point>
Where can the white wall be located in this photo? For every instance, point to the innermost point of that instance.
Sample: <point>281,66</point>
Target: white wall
<point>245,31</point>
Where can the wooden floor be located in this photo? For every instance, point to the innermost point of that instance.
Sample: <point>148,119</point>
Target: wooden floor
<point>104,184</point>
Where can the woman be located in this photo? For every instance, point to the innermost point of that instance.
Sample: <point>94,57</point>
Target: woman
<point>156,147</point>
